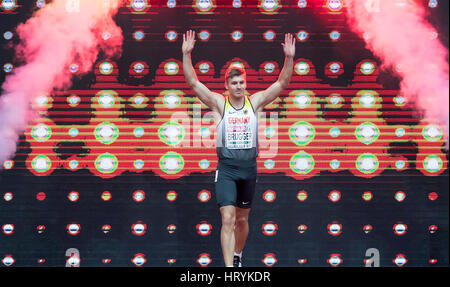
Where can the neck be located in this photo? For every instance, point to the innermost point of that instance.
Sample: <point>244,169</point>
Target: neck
<point>237,102</point>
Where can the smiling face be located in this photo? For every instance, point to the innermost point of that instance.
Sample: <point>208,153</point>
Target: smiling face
<point>236,83</point>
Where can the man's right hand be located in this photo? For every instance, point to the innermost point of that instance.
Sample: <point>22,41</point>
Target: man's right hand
<point>188,42</point>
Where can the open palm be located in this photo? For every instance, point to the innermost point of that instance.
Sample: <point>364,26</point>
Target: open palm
<point>289,45</point>
<point>188,42</point>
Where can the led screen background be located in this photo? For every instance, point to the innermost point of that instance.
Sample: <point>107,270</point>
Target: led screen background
<point>120,167</point>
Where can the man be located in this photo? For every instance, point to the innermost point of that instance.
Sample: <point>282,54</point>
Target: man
<point>237,147</point>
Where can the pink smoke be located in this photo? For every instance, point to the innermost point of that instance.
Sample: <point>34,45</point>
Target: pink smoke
<point>59,34</point>
<point>398,33</point>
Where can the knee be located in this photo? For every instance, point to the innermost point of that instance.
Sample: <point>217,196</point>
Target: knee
<point>228,220</point>
<point>242,220</point>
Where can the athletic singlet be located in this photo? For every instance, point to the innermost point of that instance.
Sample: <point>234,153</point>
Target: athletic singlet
<point>237,132</point>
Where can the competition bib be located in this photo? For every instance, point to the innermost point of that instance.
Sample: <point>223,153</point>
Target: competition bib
<point>238,128</point>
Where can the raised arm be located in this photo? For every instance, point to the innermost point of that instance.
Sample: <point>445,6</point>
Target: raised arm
<point>261,99</point>
<point>214,101</point>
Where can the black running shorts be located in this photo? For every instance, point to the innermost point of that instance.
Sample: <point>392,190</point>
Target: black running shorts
<point>235,182</point>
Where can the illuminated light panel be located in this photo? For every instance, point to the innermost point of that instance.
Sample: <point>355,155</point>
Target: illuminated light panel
<point>73,164</point>
<point>8,5</point>
<point>106,68</point>
<point>433,3</point>
<point>204,259</point>
<point>139,6</point>
<point>171,163</point>
<point>73,132</point>
<point>106,163</point>
<point>269,228</point>
<point>302,99</point>
<point>204,132</point>
<point>204,228</point>
<point>171,3</point>
<point>204,6</point>
<point>204,164</point>
<point>302,133</point>
<point>367,100</point>
<point>138,132</point>
<point>302,3</point>
<point>237,3</point>
<point>74,68</point>
<point>171,100</point>
<point>269,196</point>
<point>367,133</point>
<point>367,163</point>
<point>302,35</point>
<point>73,100</point>
<point>302,228</point>
<point>335,35</point>
<point>106,99</point>
<point>237,36</point>
<point>301,163</point>
<point>41,164</point>
<point>42,101</point>
<point>302,195</point>
<point>367,196</point>
<point>138,164</point>
<point>8,164</point>
<point>269,259</point>
<point>138,67</point>
<point>139,101</point>
<point>139,259</point>
<point>269,164</point>
<point>8,68</point>
<point>171,133</point>
<point>171,196</point>
<point>400,228</point>
<point>335,67</point>
<point>139,35</point>
<point>334,260</point>
<point>334,101</point>
<point>138,196</point>
<point>204,35</point>
<point>302,68</point>
<point>269,6</point>
<point>269,67</point>
<point>270,35</point>
<point>8,35</point>
<point>106,36</point>
<point>41,132</point>
<point>432,133</point>
<point>400,132</point>
<point>367,68</point>
<point>400,164</point>
<point>334,228</point>
<point>334,196</point>
<point>334,5</point>
<point>237,64</point>
<point>204,67</point>
<point>400,196</point>
<point>171,36</point>
<point>433,163</point>
<point>269,132</point>
<point>335,164</point>
<point>106,133</point>
<point>400,260</point>
<point>171,68</point>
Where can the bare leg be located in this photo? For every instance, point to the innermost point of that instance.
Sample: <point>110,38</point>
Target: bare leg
<point>227,238</point>
<point>241,230</point>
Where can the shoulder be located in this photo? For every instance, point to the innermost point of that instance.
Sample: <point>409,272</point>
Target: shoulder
<point>257,100</point>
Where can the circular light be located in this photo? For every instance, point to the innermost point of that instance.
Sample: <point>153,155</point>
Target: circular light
<point>301,163</point>
<point>302,35</point>
<point>139,35</point>
<point>302,195</point>
<point>335,35</point>
<point>334,132</point>
<point>367,100</point>
<point>106,100</point>
<point>334,196</point>
<point>367,68</point>
<point>269,195</point>
<point>138,164</point>
<point>204,5</point>
<point>8,5</point>
<point>367,163</point>
<point>138,68</point>
<point>204,164</point>
<point>171,163</point>
<point>269,68</point>
<point>171,100</point>
<point>302,3</point>
<point>302,100</point>
<point>237,35</point>
<point>106,196</point>
<point>302,68</point>
<point>73,196</point>
<point>269,35</point>
<point>335,164</point>
<point>8,35</point>
<point>73,164</point>
<point>400,196</point>
<point>74,68</point>
<point>41,163</point>
<point>171,68</point>
<point>8,196</point>
<point>237,3</point>
<point>204,35</point>
<point>399,101</point>
<point>41,132</point>
<point>106,68</point>
<point>171,196</point>
<point>432,133</point>
<point>106,133</point>
<point>335,68</point>
<point>8,164</point>
<point>204,195</point>
<point>73,100</point>
<point>138,132</point>
<point>432,163</point>
<point>400,132</point>
<point>171,133</point>
<point>367,196</point>
<point>171,35</point>
<point>204,68</point>
<point>139,195</point>
<point>171,3</point>
<point>334,5</point>
<point>302,133</point>
<point>432,3</point>
<point>139,5</point>
<point>73,132</point>
<point>269,6</point>
<point>367,133</point>
<point>106,163</point>
<point>400,164</point>
<point>8,67</point>
<point>269,164</point>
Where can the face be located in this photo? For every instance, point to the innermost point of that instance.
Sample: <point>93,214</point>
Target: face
<point>236,86</point>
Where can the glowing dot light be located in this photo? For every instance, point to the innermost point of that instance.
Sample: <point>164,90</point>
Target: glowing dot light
<point>269,164</point>
<point>204,164</point>
<point>106,68</point>
<point>432,3</point>
<point>41,163</point>
<point>8,67</point>
<point>367,68</point>
<point>302,35</point>
<point>302,3</point>
<point>302,68</point>
<point>269,6</point>
<point>269,68</point>
<point>138,164</point>
<point>302,100</point>
<point>73,132</point>
<point>171,100</point>
<point>432,163</point>
<point>106,163</point>
<point>139,5</point>
<point>367,100</point>
<point>237,3</point>
<point>73,100</point>
<point>335,35</point>
<point>301,133</point>
<point>204,68</point>
<point>171,163</point>
<point>8,5</point>
<point>8,35</point>
<point>334,5</point>
<point>171,3</point>
<point>106,100</point>
<point>139,35</point>
<point>367,163</point>
<point>171,35</point>
<point>301,163</point>
<point>171,133</point>
<point>41,132</point>
<point>204,6</point>
<point>334,132</point>
<point>367,133</point>
<point>106,133</point>
<point>204,35</point>
<point>432,133</point>
<point>269,35</point>
<point>171,68</point>
<point>237,35</point>
<point>335,164</point>
<point>138,132</point>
